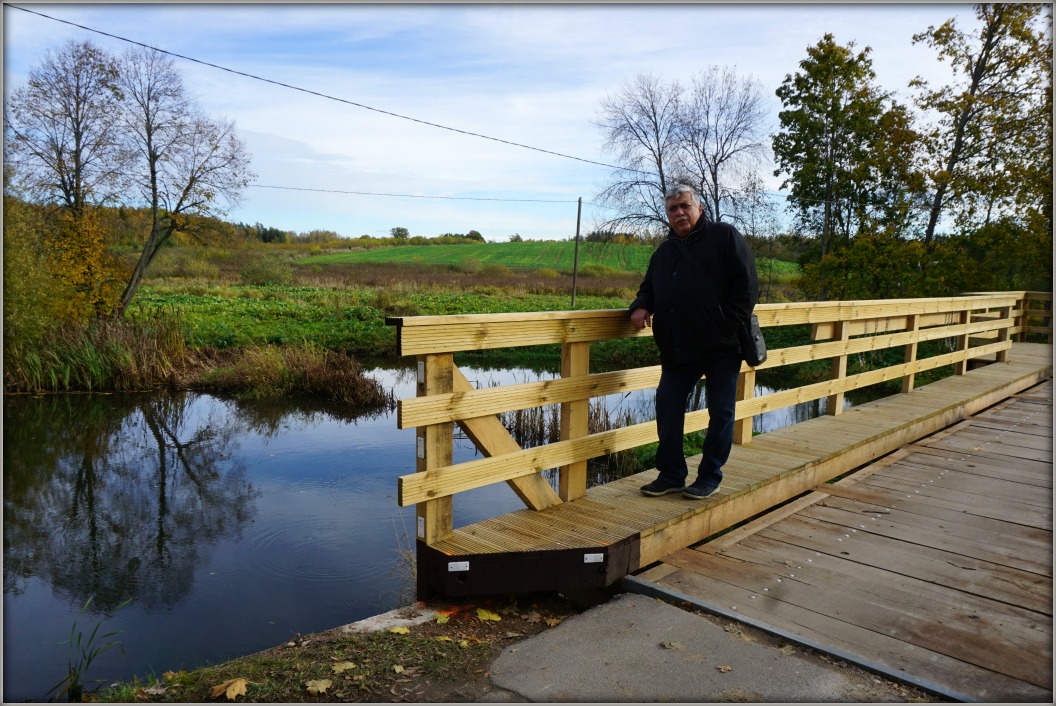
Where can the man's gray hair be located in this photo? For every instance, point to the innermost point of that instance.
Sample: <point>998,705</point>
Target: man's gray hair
<point>673,192</point>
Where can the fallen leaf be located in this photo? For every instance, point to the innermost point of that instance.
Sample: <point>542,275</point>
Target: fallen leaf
<point>444,638</point>
<point>343,667</point>
<point>168,676</point>
<point>514,634</point>
<point>484,614</point>
<point>156,690</point>
<point>463,643</point>
<point>553,622</point>
<point>232,688</point>
<point>788,649</point>
<point>724,668</point>
<point>672,645</point>
<point>400,630</point>
<point>534,617</point>
<point>442,618</point>
<point>318,686</point>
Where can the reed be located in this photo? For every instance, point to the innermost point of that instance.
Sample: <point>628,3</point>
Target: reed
<point>261,372</point>
<point>137,353</point>
<point>537,426</point>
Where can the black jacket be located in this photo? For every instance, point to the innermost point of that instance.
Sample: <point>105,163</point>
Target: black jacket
<point>698,291</point>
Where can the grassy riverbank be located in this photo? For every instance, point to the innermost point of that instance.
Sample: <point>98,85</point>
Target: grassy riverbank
<point>270,321</point>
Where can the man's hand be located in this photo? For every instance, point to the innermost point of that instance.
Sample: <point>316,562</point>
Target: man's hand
<point>640,318</point>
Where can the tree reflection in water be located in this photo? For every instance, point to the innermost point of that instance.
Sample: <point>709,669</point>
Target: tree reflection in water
<point>119,505</point>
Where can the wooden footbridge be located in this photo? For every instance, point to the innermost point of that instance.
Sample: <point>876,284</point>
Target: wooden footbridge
<point>571,536</point>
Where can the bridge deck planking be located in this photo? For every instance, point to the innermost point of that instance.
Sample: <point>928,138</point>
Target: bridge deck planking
<point>939,572</point>
<point>773,457</point>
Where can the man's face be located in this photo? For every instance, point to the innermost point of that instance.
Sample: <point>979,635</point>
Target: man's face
<point>683,214</point>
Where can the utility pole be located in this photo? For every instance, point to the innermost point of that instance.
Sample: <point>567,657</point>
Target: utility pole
<point>575,257</point>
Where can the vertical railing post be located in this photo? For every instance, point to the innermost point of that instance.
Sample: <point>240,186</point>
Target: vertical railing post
<point>1022,321</point>
<point>575,415</point>
<point>434,447</point>
<point>961,366</point>
<point>742,428</point>
<point>840,332</point>
<point>912,325</point>
<point>1003,333</point>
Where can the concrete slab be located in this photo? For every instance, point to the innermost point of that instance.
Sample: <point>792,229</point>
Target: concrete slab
<point>640,649</point>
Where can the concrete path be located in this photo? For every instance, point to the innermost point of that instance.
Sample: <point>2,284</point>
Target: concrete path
<point>638,649</point>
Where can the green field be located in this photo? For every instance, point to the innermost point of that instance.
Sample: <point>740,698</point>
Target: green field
<point>529,255</point>
<point>556,255</point>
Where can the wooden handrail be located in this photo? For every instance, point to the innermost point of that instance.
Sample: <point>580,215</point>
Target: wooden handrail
<point>982,324</point>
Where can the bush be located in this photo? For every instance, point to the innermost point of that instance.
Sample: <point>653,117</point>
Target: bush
<point>267,271</point>
<point>470,265</point>
<point>200,269</point>
<point>497,271</point>
<point>270,372</point>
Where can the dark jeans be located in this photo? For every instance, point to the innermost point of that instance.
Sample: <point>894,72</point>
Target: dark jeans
<point>676,383</point>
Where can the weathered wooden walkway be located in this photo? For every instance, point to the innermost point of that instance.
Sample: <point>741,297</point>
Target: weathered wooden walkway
<point>932,564</point>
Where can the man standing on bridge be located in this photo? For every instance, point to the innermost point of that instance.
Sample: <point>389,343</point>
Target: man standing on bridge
<point>701,285</point>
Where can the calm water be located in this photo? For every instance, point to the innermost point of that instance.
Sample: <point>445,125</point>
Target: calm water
<point>231,526</point>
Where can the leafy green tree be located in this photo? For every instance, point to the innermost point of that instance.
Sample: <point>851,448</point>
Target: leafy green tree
<point>825,135</point>
<point>992,145</point>
<point>400,233</point>
<point>841,146</point>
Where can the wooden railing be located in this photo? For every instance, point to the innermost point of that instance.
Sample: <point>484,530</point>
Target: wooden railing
<point>978,326</point>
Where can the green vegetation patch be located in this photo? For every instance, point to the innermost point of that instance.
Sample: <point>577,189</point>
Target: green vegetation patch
<point>554,255</point>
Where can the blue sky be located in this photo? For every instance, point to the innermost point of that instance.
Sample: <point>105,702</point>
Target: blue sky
<point>534,74</point>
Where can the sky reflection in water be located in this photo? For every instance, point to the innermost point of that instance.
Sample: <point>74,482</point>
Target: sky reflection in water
<point>231,526</point>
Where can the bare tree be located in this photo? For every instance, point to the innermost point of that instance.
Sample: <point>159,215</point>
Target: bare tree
<point>640,124</point>
<point>60,133</point>
<point>183,162</point>
<point>721,138</point>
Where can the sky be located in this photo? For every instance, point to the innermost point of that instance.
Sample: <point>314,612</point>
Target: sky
<point>533,74</point>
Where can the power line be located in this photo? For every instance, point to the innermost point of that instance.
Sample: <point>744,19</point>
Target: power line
<point>407,196</point>
<point>376,110</point>
<point>324,95</point>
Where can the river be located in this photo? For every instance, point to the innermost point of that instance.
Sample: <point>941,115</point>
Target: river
<point>227,526</point>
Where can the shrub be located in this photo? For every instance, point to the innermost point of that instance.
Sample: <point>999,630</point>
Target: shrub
<point>496,271</point>
<point>200,269</point>
<point>267,271</point>
<point>470,265</point>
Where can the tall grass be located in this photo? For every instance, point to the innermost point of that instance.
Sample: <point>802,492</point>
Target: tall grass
<point>537,426</point>
<point>262,372</point>
<point>137,353</point>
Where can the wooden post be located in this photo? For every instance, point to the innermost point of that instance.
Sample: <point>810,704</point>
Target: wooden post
<point>1021,323</point>
<point>912,324</point>
<point>1002,335</point>
<point>575,360</point>
<point>742,428</point>
<point>840,332</point>
<point>434,447</point>
<point>961,366</point>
